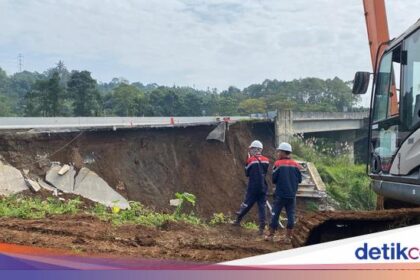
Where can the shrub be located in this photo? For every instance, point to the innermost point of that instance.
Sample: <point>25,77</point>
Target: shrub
<point>346,182</point>
<point>183,197</point>
<point>219,218</point>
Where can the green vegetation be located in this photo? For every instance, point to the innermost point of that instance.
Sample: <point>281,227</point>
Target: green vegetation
<point>60,92</point>
<point>218,219</point>
<point>19,206</point>
<point>36,208</point>
<point>183,198</point>
<point>250,225</point>
<point>141,215</point>
<point>347,183</point>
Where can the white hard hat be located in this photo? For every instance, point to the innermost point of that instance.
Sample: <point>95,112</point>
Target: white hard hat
<point>256,144</point>
<point>285,147</point>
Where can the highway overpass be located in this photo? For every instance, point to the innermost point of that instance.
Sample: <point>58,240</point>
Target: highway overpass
<point>294,122</point>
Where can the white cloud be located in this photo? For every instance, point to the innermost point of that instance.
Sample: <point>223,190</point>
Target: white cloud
<point>203,43</point>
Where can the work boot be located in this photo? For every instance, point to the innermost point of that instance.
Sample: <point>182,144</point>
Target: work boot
<point>270,235</point>
<point>236,223</point>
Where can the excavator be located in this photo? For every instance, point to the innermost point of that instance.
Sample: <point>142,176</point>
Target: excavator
<point>394,137</point>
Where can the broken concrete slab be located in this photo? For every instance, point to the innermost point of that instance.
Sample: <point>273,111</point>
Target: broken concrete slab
<point>89,185</point>
<point>34,186</point>
<point>219,133</point>
<point>63,182</point>
<point>11,180</point>
<point>45,185</point>
<point>64,169</point>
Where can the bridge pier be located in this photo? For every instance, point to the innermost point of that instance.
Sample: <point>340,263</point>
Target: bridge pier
<point>338,128</point>
<point>283,126</point>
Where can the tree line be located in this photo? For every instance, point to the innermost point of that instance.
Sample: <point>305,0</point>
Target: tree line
<point>60,92</point>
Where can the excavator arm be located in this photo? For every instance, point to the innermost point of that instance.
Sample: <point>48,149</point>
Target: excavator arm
<point>377,28</point>
<point>378,35</point>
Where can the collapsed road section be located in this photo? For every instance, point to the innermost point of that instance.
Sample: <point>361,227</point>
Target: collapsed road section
<point>147,165</point>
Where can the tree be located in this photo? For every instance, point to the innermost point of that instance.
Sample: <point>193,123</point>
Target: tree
<point>228,106</point>
<point>45,98</point>
<point>36,100</point>
<point>20,84</point>
<point>125,100</point>
<point>77,93</point>
<point>62,71</point>
<point>32,104</point>
<point>251,106</point>
<point>55,95</point>
<point>4,81</point>
<point>4,107</point>
<point>84,94</point>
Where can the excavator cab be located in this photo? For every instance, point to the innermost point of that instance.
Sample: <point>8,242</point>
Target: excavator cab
<point>394,127</point>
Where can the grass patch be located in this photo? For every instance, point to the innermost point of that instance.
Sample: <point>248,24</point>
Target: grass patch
<point>141,215</point>
<point>35,208</point>
<point>250,225</point>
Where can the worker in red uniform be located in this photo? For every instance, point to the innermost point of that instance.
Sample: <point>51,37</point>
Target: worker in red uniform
<point>256,168</point>
<point>286,177</point>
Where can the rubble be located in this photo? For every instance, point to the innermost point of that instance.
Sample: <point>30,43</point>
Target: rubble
<point>64,169</point>
<point>34,186</point>
<point>86,184</point>
<point>65,182</point>
<point>89,185</point>
<point>46,186</point>
<point>11,180</point>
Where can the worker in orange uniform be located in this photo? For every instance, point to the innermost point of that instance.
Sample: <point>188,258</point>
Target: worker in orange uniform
<point>286,177</point>
<point>256,169</point>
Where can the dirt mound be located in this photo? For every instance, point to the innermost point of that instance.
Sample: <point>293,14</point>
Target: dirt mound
<point>86,235</point>
<point>150,165</point>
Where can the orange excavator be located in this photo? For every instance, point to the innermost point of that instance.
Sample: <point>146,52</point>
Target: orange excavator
<point>394,137</point>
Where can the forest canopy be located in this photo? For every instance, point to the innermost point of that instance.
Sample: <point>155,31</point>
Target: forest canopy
<point>60,92</point>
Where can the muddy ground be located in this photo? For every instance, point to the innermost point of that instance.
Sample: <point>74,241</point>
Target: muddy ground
<point>86,235</point>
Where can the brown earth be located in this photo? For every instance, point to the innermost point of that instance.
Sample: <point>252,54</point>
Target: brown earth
<point>151,165</point>
<point>86,235</point>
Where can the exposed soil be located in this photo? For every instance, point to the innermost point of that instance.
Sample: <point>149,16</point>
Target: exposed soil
<point>86,235</point>
<point>150,165</point>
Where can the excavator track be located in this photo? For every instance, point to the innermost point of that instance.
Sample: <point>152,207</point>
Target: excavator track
<point>333,225</point>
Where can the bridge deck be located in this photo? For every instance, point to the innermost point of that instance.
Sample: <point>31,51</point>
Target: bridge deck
<point>302,122</point>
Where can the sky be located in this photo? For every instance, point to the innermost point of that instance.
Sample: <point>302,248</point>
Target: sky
<point>197,43</point>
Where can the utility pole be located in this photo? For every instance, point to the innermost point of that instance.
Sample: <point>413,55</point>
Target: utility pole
<point>20,62</point>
